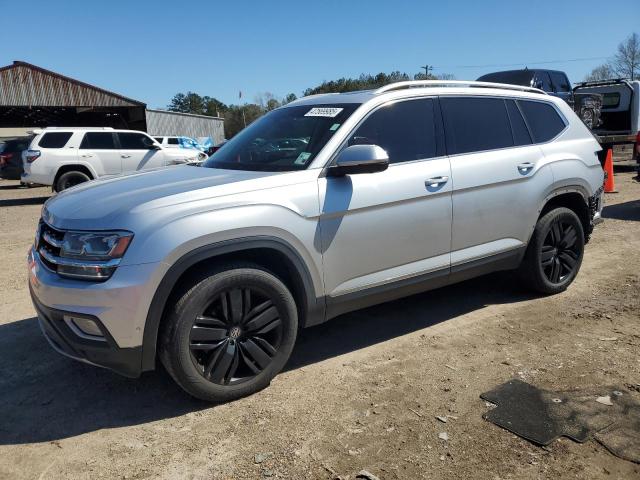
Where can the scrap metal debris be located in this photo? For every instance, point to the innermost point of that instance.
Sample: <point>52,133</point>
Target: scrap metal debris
<point>541,416</point>
<point>606,400</point>
<point>366,475</point>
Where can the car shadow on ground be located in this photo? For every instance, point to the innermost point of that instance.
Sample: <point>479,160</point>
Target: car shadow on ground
<point>629,211</point>
<point>45,396</point>
<point>18,202</point>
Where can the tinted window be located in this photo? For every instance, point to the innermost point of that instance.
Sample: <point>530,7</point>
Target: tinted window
<point>134,141</point>
<point>560,82</point>
<point>17,145</point>
<point>406,130</point>
<point>98,141</point>
<point>518,127</point>
<point>610,100</point>
<point>475,124</point>
<point>158,139</point>
<point>545,81</point>
<point>543,120</point>
<point>54,139</point>
<point>512,77</point>
<point>172,141</point>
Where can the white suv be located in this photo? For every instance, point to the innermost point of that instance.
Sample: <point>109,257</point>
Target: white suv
<point>64,157</point>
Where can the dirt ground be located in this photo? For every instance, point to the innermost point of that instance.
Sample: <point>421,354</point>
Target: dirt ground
<point>361,392</point>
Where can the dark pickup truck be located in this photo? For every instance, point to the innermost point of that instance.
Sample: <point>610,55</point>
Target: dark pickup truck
<point>554,82</point>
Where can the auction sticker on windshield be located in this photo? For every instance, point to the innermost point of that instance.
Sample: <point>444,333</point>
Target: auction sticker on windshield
<point>323,112</point>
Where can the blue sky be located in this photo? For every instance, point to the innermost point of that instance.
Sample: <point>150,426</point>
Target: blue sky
<point>150,50</point>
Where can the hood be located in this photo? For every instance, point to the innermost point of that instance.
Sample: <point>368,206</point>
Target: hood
<point>105,204</point>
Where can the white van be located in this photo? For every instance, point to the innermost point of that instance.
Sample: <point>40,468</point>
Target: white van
<point>64,157</point>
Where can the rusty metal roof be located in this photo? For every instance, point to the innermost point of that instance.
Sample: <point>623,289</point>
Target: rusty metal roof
<point>23,84</point>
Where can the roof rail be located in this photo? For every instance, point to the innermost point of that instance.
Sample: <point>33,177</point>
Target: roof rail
<point>454,83</point>
<point>77,128</point>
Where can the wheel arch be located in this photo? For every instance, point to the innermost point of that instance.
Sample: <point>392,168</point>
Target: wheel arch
<point>73,167</point>
<point>272,253</point>
<point>575,199</point>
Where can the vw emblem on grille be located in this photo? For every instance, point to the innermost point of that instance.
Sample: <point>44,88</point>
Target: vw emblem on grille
<point>234,333</point>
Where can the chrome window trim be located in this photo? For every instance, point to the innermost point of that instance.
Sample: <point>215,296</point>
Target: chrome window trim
<point>506,97</point>
<point>365,117</point>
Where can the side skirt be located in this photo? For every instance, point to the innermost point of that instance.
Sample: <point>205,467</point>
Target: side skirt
<point>422,283</point>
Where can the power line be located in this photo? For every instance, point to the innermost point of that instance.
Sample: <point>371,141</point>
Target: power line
<point>496,65</point>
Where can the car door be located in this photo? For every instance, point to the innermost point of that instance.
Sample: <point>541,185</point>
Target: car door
<point>139,152</point>
<point>100,150</point>
<point>498,177</point>
<point>379,230</point>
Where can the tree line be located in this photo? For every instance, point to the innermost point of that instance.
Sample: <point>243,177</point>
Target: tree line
<point>624,64</point>
<point>236,117</point>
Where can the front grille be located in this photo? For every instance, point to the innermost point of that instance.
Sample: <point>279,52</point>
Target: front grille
<point>49,240</point>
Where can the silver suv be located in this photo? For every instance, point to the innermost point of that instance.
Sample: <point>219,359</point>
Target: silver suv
<point>327,205</point>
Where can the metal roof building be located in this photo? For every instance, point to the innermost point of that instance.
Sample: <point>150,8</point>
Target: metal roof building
<point>32,97</point>
<point>163,122</point>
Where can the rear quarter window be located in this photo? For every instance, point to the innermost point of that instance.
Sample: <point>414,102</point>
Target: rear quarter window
<point>54,139</point>
<point>544,121</point>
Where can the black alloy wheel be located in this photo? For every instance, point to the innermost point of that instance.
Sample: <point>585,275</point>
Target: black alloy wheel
<point>560,251</point>
<point>236,336</point>
<point>554,254</point>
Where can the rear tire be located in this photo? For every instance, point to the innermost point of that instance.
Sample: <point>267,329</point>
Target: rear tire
<point>555,252</point>
<point>71,179</point>
<point>229,333</point>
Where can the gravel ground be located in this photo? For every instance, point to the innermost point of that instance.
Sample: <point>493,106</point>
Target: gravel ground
<point>361,392</point>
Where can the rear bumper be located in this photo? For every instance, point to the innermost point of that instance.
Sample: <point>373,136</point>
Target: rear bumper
<point>103,353</point>
<point>11,171</point>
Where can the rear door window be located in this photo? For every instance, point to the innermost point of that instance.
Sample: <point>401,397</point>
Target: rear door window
<point>545,80</point>
<point>134,141</point>
<point>560,82</point>
<point>54,139</point>
<point>98,141</point>
<point>474,124</point>
<point>544,121</point>
<point>173,141</point>
<point>406,130</point>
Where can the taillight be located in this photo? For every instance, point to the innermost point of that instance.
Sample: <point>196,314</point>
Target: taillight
<point>32,155</point>
<point>5,157</point>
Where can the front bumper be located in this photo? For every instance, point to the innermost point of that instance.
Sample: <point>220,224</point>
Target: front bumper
<point>103,353</point>
<point>118,307</point>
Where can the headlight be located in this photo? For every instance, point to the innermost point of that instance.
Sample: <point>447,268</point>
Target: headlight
<point>95,246</point>
<point>84,255</point>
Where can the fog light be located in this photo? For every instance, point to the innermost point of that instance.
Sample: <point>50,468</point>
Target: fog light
<point>84,327</point>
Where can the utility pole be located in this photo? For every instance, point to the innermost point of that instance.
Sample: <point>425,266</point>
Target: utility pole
<point>427,69</point>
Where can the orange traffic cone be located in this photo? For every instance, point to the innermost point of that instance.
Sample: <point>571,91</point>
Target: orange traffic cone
<point>609,182</point>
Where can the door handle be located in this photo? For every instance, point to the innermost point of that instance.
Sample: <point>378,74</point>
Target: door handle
<point>87,155</point>
<point>525,167</point>
<point>125,156</point>
<point>436,181</point>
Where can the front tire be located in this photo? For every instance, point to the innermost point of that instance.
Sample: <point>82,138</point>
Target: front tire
<point>554,255</point>
<point>230,333</point>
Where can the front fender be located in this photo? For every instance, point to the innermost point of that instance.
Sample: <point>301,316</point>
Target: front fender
<point>314,305</point>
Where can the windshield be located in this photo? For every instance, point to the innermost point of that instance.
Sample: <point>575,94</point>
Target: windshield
<point>283,140</point>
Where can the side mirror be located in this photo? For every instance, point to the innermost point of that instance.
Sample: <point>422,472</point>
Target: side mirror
<point>359,159</point>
